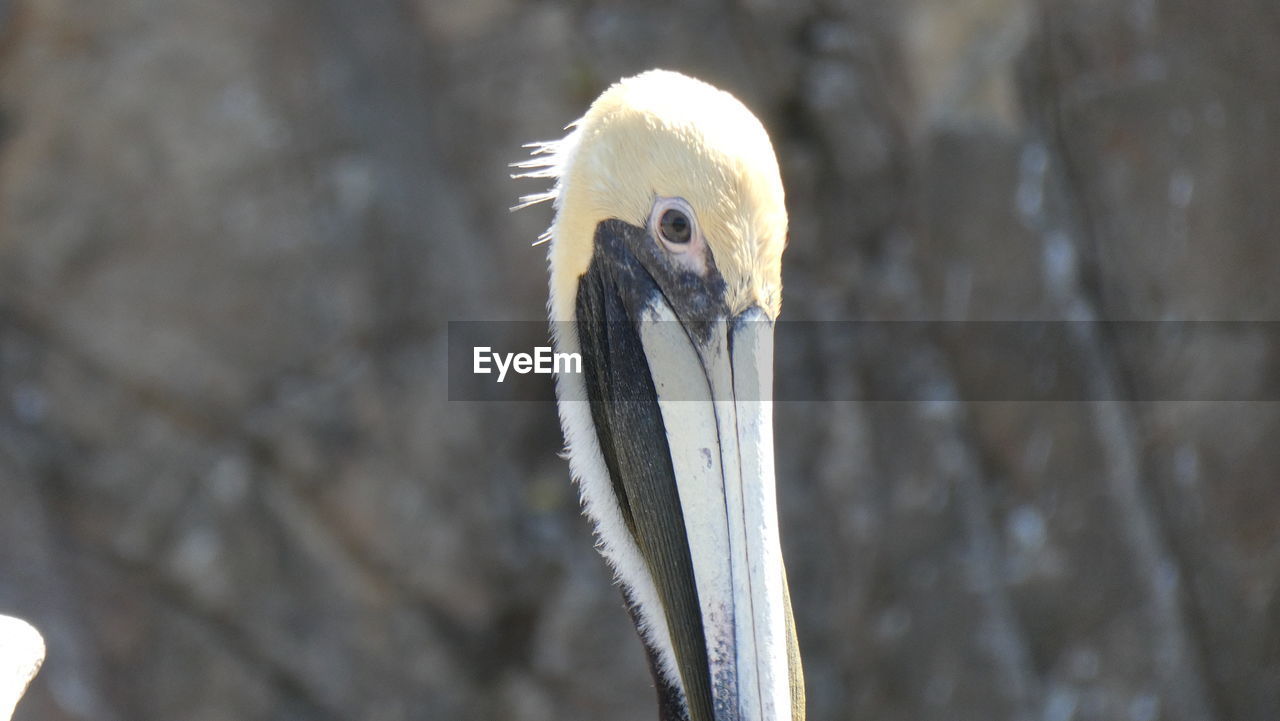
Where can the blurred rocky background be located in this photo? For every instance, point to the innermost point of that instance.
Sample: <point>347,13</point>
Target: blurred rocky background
<point>232,232</point>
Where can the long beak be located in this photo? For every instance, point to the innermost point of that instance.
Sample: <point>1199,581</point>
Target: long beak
<point>681,402</point>
<point>715,396</point>
<point>683,412</point>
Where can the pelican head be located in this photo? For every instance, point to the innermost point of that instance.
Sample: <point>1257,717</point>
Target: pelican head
<point>665,257</point>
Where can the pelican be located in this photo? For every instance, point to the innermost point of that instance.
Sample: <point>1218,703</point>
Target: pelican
<point>665,277</point>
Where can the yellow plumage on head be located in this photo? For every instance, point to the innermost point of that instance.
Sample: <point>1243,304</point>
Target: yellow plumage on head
<point>663,134</point>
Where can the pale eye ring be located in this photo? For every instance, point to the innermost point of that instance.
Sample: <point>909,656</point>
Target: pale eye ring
<point>673,224</point>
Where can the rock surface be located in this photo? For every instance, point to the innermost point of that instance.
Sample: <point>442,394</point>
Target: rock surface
<point>232,483</point>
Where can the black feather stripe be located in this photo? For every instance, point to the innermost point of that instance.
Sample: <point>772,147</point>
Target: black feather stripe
<point>628,421</point>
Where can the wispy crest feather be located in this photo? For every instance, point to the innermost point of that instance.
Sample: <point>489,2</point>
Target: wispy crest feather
<point>547,159</point>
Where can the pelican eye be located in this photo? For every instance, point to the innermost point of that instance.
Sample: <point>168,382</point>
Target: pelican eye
<point>675,227</point>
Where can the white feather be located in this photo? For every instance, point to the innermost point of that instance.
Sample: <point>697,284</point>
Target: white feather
<point>552,159</point>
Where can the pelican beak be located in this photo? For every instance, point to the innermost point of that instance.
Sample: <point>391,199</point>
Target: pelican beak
<point>681,397</point>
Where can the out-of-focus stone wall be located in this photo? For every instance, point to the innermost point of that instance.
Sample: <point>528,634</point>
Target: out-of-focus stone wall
<point>232,485</point>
